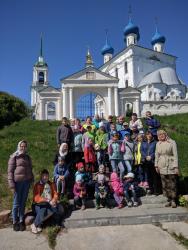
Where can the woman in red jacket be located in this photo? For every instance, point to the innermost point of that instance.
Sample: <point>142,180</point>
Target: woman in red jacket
<point>89,156</point>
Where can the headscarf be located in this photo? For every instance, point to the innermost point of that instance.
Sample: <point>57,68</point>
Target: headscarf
<point>61,152</point>
<point>18,151</point>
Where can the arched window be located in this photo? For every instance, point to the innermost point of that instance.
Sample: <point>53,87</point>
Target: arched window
<point>41,77</point>
<point>125,68</point>
<point>51,111</point>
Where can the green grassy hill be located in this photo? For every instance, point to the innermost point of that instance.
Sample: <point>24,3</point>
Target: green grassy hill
<point>41,136</point>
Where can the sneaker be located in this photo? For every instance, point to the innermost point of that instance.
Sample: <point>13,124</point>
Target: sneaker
<point>34,229</point>
<point>39,229</point>
<point>120,206</point>
<point>130,204</point>
<point>83,207</point>
<point>173,204</point>
<point>97,207</point>
<point>22,226</point>
<point>16,227</point>
<point>145,184</point>
<point>135,204</point>
<point>168,204</point>
<point>140,184</point>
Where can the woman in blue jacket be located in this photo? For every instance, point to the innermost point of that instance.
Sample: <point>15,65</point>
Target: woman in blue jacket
<point>152,178</point>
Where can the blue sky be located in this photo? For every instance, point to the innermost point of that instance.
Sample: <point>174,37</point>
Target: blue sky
<point>69,26</point>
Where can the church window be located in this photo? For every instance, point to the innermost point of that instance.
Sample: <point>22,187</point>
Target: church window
<point>90,75</point>
<point>162,97</point>
<point>41,77</point>
<point>126,68</point>
<point>51,111</point>
<point>116,72</point>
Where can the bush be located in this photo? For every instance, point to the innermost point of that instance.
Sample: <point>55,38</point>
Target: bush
<point>12,109</point>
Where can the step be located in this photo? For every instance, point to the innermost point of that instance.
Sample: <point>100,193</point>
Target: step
<point>151,200</point>
<point>126,216</point>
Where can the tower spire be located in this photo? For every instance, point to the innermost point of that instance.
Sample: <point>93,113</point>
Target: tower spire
<point>130,13</point>
<point>41,48</point>
<point>89,61</point>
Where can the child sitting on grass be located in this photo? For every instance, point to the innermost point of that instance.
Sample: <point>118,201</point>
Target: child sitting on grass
<point>61,174</point>
<point>131,190</point>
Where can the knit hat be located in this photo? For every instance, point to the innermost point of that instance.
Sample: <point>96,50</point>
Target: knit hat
<point>115,133</point>
<point>129,175</point>
<point>79,178</point>
<point>79,165</point>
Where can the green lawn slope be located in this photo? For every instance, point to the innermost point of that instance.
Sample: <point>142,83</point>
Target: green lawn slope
<point>41,136</point>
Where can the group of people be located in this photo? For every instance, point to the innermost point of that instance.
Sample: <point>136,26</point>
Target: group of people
<point>97,159</point>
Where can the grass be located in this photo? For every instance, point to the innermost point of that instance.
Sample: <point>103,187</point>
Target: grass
<point>52,233</point>
<point>41,136</point>
<point>181,239</point>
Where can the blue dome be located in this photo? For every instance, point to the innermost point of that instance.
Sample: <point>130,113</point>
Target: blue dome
<point>107,49</point>
<point>157,38</point>
<point>131,28</point>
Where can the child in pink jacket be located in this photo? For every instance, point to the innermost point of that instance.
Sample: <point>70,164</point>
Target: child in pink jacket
<point>117,188</point>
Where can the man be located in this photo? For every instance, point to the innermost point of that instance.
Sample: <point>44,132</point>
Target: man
<point>64,133</point>
<point>119,125</point>
<point>152,124</point>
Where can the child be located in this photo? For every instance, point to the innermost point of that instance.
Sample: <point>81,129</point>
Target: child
<point>138,161</point>
<point>81,172</point>
<point>131,190</point>
<point>101,192</point>
<point>115,151</point>
<point>89,156</point>
<point>128,155</point>
<point>61,174</point>
<point>101,140</point>
<point>79,191</point>
<point>117,188</point>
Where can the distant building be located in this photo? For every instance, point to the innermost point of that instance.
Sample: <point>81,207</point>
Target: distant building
<point>136,79</point>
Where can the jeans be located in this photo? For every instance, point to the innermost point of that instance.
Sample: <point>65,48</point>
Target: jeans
<point>60,184</point>
<point>129,194</point>
<point>100,157</point>
<point>19,201</point>
<point>128,164</point>
<point>118,198</point>
<point>45,211</point>
<point>141,173</point>
<point>118,164</point>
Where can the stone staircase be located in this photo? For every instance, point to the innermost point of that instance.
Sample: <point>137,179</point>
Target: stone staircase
<point>151,211</point>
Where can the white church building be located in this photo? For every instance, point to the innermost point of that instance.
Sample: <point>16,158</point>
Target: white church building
<point>136,79</point>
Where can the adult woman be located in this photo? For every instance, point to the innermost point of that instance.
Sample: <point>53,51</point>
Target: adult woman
<point>166,163</point>
<point>20,176</point>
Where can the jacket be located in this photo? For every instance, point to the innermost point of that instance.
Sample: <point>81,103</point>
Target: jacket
<point>38,190</point>
<point>77,147</point>
<point>153,125</point>
<point>116,184</point>
<point>166,157</point>
<point>64,134</point>
<point>101,139</point>
<point>79,190</point>
<point>148,149</point>
<point>61,170</point>
<point>115,150</point>
<point>89,154</point>
<point>19,169</point>
<point>130,186</point>
<point>129,151</point>
<point>85,138</point>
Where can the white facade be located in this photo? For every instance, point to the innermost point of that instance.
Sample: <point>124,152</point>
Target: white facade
<point>137,79</point>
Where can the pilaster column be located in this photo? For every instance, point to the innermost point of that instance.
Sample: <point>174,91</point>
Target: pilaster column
<point>116,101</point>
<point>137,107</point>
<point>65,104</point>
<point>71,103</point>
<point>109,101</point>
<point>41,115</point>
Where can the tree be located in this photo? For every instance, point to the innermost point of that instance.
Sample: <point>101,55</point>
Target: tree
<point>11,109</point>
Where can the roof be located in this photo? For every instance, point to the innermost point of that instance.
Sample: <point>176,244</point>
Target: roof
<point>125,50</point>
<point>165,75</point>
<point>83,71</point>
